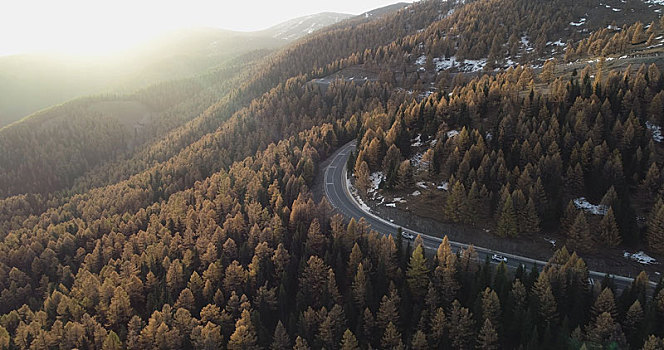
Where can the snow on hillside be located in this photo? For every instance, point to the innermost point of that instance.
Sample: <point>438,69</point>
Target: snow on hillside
<point>452,133</point>
<point>640,257</point>
<point>581,22</point>
<point>452,62</point>
<point>375,178</point>
<point>582,203</point>
<point>656,131</point>
<point>299,27</point>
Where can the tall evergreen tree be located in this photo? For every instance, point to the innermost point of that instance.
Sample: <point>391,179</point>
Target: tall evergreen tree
<point>244,336</point>
<point>387,312</point>
<point>633,322</point>
<point>569,215</point>
<point>461,326</point>
<point>419,341</point>
<point>280,340</point>
<point>359,287</point>
<point>391,338</point>
<point>455,205</point>
<point>488,337</point>
<point>507,224</point>
<point>445,278</point>
<point>605,331</point>
<point>301,344</point>
<point>605,302</point>
<point>578,236</point>
<point>438,328</point>
<point>417,273</point>
<point>529,220</point>
<point>656,230</point>
<point>349,342</point>
<point>362,178</point>
<point>608,230</point>
<point>546,303</point>
<point>490,306</point>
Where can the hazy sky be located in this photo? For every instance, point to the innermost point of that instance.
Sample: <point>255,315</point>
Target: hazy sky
<point>99,26</point>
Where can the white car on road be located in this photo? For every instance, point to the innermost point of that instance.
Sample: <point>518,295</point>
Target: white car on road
<point>408,236</point>
<point>499,258</point>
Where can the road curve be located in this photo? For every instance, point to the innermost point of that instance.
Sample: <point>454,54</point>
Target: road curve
<point>339,196</point>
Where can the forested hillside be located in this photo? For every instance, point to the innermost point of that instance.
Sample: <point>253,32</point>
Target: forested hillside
<point>33,81</point>
<point>523,161</point>
<point>51,149</point>
<point>251,83</point>
<point>198,229</point>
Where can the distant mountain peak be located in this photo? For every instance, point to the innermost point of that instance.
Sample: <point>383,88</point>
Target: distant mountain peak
<point>298,27</point>
<point>384,10</point>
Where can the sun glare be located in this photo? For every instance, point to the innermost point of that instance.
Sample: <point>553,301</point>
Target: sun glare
<point>100,27</point>
<point>81,27</point>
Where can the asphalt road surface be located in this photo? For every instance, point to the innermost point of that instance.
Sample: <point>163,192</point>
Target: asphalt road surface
<point>338,194</point>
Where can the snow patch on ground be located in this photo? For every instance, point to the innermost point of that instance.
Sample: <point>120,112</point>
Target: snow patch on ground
<point>416,193</point>
<point>375,178</point>
<point>399,200</point>
<point>417,162</point>
<point>452,62</point>
<point>582,203</point>
<point>524,41</point>
<point>640,257</point>
<point>393,205</point>
<point>656,131</point>
<point>556,43</point>
<point>452,133</point>
<point>444,186</point>
<point>473,65</point>
<point>655,2</point>
<point>425,94</point>
<point>354,193</point>
<point>422,185</point>
<point>417,141</point>
<point>581,22</point>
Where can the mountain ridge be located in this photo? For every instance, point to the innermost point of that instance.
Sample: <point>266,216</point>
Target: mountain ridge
<point>296,28</point>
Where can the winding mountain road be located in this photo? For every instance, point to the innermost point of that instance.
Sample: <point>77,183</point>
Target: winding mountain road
<point>339,195</point>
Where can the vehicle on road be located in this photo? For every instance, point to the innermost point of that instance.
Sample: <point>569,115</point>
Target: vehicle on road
<point>499,258</point>
<point>408,236</point>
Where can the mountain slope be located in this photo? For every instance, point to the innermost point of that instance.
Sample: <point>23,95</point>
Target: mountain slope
<point>210,237</point>
<point>54,147</point>
<point>32,82</point>
<point>302,26</point>
<point>331,46</point>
